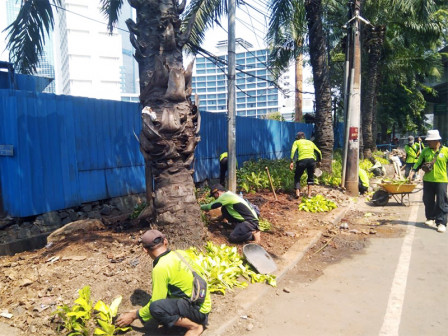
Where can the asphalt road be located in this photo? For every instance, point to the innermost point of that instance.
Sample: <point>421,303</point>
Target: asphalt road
<point>397,286</point>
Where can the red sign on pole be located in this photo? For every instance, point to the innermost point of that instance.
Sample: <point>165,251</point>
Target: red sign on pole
<point>353,133</point>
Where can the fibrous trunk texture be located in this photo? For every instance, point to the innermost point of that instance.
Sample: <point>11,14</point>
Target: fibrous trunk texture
<point>170,121</point>
<point>319,63</point>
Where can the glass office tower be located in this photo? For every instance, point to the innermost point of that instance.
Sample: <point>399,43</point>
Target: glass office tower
<point>256,94</point>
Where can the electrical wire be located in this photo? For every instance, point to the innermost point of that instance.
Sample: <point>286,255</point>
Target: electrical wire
<point>86,17</point>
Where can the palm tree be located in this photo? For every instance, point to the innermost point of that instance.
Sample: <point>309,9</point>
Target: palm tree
<point>319,63</point>
<point>287,28</point>
<point>209,11</point>
<point>411,22</point>
<point>170,130</point>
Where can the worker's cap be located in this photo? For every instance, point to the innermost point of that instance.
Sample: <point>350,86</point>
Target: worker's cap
<point>410,139</point>
<point>433,135</point>
<point>300,135</point>
<point>152,238</point>
<point>216,188</point>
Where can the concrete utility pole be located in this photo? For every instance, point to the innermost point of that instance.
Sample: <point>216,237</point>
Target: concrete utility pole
<point>346,90</point>
<point>231,133</point>
<point>354,103</point>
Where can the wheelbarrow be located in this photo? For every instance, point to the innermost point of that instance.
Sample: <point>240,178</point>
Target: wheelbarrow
<point>399,192</point>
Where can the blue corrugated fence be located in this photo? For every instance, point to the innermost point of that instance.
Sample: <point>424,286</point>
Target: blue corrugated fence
<point>71,150</point>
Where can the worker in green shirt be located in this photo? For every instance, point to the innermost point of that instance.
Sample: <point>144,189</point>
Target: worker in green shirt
<point>223,167</point>
<point>173,301</point>
<point>435,181</point>
<point>238,212</point>
<point>412,152</point>
<point>308,155</point>
<point>363,181</point>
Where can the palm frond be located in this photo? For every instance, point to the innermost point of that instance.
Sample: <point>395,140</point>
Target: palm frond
<point>26,35</point>
<point>208,14</point>
<point>111,10</point>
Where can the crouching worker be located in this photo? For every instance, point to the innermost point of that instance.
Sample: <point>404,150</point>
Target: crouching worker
<point>363,181</point>
<point>238,212</point>
<point>175,301</point>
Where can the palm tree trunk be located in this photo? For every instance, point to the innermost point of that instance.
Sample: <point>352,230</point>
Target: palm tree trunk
<point>374,43</point>
<point>298,88</point>
<point>319,63</point>
<point>170,123</point>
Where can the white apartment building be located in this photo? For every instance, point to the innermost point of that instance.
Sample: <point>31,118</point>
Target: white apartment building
<point>87,57</point>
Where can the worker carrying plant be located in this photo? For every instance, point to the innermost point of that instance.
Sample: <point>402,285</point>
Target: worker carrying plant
<point>308,155</point>
<point>180,296</point>
<point>412,152</point>
<point>238,212</point>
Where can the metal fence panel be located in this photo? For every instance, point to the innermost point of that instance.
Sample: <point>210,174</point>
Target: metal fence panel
<point>71,150</point>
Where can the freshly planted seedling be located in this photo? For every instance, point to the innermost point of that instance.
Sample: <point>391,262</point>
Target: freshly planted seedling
<point>106,315</point>
<point>264,224</point>
<point>75,319</point>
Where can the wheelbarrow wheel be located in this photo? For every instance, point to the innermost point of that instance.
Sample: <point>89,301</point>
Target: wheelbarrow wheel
<point>380,197</point>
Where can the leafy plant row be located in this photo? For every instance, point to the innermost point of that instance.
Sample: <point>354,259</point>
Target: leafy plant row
<point>223,268</point>
<point>317,203</point>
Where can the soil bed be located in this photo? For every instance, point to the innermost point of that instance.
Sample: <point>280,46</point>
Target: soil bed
<point>112,263</point>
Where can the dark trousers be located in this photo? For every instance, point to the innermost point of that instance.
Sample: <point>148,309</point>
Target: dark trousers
<point>306,164</point>
<point>169,311</point>
<point>242,231</point>
<point>222,171</point>
<point>407,169</point>
<point>362,189</point>
<point>436,201</point>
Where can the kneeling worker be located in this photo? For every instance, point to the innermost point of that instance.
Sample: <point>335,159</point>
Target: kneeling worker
<point>238,212</point>
<point>172,302</point>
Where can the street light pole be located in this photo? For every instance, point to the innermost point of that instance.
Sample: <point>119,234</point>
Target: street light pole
<point>231,132</point>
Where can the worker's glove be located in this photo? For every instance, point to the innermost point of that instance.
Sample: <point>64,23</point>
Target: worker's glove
<point>291,166</point>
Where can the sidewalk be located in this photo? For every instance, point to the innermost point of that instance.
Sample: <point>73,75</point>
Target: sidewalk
<point>249,296</point>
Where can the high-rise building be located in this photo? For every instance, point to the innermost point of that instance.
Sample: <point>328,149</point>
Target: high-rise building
<point>130,85</point>
<point>45,68</point>
<point>88,59</point>
<point>256,93</point>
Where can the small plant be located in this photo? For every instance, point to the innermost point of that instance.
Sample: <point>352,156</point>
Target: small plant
<point>264,224</point>
<point>138,208</point>
<point>105,319</point>
<point>317,203</point>
<point>77,320</point>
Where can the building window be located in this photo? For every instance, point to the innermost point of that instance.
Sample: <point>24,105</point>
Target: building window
<point>251,113</point>
<point>200,66</point>
<point>241,106</point>
<point>200,72</point>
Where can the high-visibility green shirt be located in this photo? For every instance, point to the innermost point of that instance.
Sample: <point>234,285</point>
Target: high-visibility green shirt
<point>364,177</point>
<point>306,149</point>
<point>235,205</point>
<point>411,153</point>
<point>171,278</point>
<point>223,155</point>
<point>438,174</point>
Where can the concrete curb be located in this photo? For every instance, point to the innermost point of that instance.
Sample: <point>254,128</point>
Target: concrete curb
<point>249,296</point>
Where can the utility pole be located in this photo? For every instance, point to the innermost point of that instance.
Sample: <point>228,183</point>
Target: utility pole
<point>346,90</point>
<point>231,132</point>
<point>354,102</point>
